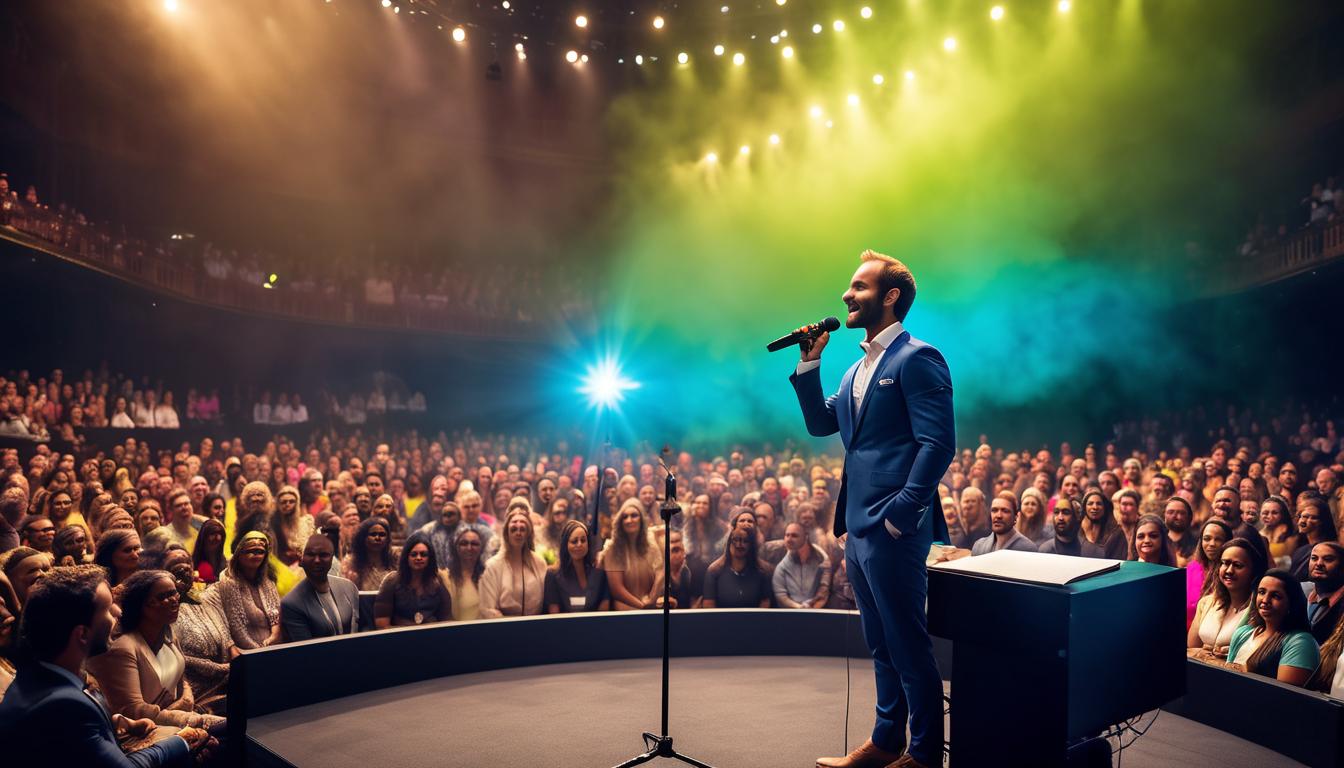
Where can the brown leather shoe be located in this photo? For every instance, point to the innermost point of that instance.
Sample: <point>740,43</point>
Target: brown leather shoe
<point>906,761</point>
<point>866,755</point>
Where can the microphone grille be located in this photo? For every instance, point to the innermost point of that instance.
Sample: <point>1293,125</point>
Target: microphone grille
<point>830,324</point>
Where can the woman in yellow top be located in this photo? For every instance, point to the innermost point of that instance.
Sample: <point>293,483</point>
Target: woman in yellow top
<point>464,569</point>
<point>1278,530</point>
<point>630,560</point>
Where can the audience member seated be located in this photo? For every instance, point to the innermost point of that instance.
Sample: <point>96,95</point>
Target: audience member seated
<point>142,674</point>
<point>1315,524</point>
<point>738,578</point>
<point>514,580</point>
<point>322,605</point>
<point>575,583</point>
<point>37,532</point>
<point>802,579</point>
<point>1033,520</point>
<point>1151,544</point>
<point>22,567</point>
<point>465,566</point>
<point>372,556</point>
<point>289,529</point>
<point>1278,530</point>
<point>118,552</point>
<point>680,592</point>
<point>1276,639</point>
<point>1201,571</point>
<point>974,520</point>
<point>1325,608</point>
<point>1100,527</point>
<point>630,559</point>
<point>414,594</point>
<point>249,595</point>
<point>1178,516</point>
<point>1225,607</point>
<point>46,718</point>
<point>202,634</point>
<point>9,630</point>
<point>71,546</point>
<point>1067,522</point>
<point>1003,528</point>
<point>208,554</point>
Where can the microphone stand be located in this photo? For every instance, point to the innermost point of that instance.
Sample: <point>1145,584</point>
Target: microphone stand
<point>660,744</point>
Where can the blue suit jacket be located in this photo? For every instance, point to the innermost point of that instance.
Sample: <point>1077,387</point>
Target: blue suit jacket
<point>897,445</point>
<point>45,719</point>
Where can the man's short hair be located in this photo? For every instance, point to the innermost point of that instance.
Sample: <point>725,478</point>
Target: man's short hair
<point>60,601</point>
<point>894,275</point>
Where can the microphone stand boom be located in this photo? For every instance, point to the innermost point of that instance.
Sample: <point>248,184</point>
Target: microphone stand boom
<point>660,744</point>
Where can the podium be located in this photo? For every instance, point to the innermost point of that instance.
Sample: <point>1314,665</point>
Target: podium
<point>1038,667</point>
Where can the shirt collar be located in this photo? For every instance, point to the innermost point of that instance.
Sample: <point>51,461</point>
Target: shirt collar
<point>884,339</point>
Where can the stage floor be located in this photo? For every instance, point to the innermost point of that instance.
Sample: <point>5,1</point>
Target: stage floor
<point>731,712</point>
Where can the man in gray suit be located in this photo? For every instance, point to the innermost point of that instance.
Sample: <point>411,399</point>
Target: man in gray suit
<point>321,605</point>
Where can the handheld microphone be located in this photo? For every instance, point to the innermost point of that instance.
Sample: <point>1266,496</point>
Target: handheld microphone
<point>806,334</point>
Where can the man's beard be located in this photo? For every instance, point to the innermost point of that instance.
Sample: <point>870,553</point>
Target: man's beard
<point>99,645</point>
<point>867,315</point>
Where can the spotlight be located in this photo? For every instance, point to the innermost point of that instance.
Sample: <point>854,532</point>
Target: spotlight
<point>781,2</point>
<point>518,47</point>
<point>581,21</point>
<point>866,12</point>
<point>745,150</point>
<point>996,13</point>
<point>774,39</point>
<point>572,56</point>
<point>774,139</point>
<point>171,5</point>
<point>724,9</point>
<point>739,59</point>
<point>712,158</point>
<point>639,59</point>
<point>605,385</point>
<point>504,5</point>
<point>910,75</point>
<point>816,29</point>
<point>830,123</point>
<point>783,33</point>
<point>787,52</point>
<point>949,44</point>
<point>718,50</point>
<point>815,111</point>
<point>683,57</point>
<point>658,22</point>
<point>387,3</point>
<point>853,99</point>
<point>878,79</point>
<point>459,34</point>
<point>838,25</point>
<point>583,59</point>
<point>1064,6</point>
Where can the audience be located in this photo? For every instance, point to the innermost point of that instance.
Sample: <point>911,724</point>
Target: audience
<point>249,594</point>
<point>322,605</point>
<point>514,580</point>
<point>465,567</point>
<point>414,594</point>
<point>1224,609</point>
<point>1276,640</point>
<point>575,583</point>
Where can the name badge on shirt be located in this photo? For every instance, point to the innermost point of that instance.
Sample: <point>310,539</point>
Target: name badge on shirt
<point>577,601</point>
<point>885,382</point>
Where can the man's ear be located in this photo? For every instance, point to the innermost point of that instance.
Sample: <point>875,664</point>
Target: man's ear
<point>892,297</point>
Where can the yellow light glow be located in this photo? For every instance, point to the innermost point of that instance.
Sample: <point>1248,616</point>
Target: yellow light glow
<point>910,75</point>
<point>774,139</point>
<point>815,111</point>
<point>853,99</point>
<point>522,56</point>
<point>504,5</point>
<point>787,52</point>
<point>683,57</point>
<point>572,56</point>
<point>387,3</point>
<point>878,79</point>
<point>745,150</point>
<point>949,44</point>
<point>1065,6</point>
<point>658,22</point>
<point>518,47</point>
<point>639,59</point>
<point>718,50</point>
<point>996,13</point>
<point>781,2</point>
<point>866,12</point>
<point>580,21</point>
<point>171,5</point>
<point>712,157</point>
<point>583,59</point>
<point>830,123</point>
<point>816,29</point>
<point>739,59</point>
<point>459,34</point>
<point>838,25</point>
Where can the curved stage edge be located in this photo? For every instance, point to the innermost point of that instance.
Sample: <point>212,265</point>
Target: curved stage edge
<point>1303,726</point>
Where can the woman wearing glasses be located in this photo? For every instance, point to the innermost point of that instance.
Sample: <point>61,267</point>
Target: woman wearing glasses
<point>414,594</point>
<point>739,578</point>
<point>372,556</point>
<point>142,674</point>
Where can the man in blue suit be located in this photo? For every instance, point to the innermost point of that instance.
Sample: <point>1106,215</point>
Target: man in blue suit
<point>46,717</point>
<point>894,415</point>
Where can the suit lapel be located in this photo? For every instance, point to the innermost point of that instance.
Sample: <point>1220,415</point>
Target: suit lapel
<point>876,377</point>
<point>846,414</point>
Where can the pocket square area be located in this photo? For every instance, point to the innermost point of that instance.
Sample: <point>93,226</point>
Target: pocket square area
<point>885,382</point>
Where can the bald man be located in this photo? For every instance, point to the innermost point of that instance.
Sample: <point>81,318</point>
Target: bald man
<point>322,605</point>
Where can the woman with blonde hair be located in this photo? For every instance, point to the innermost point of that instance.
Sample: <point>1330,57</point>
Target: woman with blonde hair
<point>630,560</point>
<point>1032,520</point>
<point>248,594</point>
<point>290,527</point>
<point>514,580</point>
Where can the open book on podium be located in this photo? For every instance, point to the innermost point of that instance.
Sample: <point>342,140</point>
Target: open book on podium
<point>1031,567</point>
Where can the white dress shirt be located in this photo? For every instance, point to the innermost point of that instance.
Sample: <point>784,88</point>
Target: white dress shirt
<point>872,354</point>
